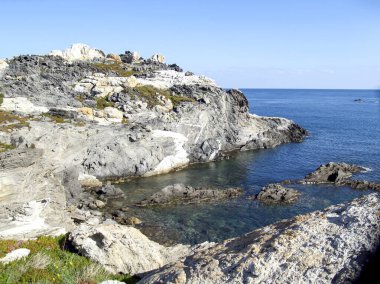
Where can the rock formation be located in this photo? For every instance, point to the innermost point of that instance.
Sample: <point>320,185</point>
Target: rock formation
<point>339,174</point>
<point>181,194</point>
<point>328,246</point>
<point>276,193</point>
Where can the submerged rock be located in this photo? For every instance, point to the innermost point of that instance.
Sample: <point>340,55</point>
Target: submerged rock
<point>182,194</point>
<point>329,246</point>
<point>275,193</point>
<point>123,249</point>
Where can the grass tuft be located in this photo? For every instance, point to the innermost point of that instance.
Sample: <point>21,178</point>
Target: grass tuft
<point>9,121</point>
<point>1,98</point>
<point>177,100</point>
<point>115,67</point>
<point>54,118</point>
<point>5,147</point>
<point>51,262</point>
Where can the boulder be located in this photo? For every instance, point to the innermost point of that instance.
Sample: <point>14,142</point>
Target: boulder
<point>275,193</point>
<point>122,249</point>
<point>182,194</point>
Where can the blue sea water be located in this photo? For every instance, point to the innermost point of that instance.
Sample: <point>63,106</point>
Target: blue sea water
<point>341,129</point>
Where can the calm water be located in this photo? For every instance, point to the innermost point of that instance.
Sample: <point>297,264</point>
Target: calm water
<point>340,130</point>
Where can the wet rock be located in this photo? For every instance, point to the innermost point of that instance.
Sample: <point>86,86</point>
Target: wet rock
<point>275,193</point>
<point>331,246</point>
<point>182,194</point>
<point>332,173</point>
<point>122,249</point>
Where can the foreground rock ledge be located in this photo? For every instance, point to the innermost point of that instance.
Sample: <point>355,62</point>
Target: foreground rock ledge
<point>324,246</point>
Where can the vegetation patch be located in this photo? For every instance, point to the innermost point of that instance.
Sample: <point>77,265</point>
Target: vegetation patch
<point>9,121</point>
<point>5,147</point>
<point>114,67</point>
<point>149,94</point>
<point>51,261</point>
<point>1,98</point>
<point>103,102</point>
<point>177,100</point>
<point>54,118</point>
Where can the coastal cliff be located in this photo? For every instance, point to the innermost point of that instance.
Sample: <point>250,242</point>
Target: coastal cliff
<point>76,117</point>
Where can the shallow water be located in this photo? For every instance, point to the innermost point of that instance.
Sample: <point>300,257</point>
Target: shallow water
<point>340,130</point>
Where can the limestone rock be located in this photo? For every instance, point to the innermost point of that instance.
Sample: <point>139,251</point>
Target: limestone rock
<point>275,193</point>
<point>22,105</point>
<point>328,246</point>
<point>79,51</point>
<point>158,58</point>
<point>15,255</point>
<point>123,249</point>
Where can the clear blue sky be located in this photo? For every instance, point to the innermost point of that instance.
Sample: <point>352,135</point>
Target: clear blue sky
<point>240,43</point>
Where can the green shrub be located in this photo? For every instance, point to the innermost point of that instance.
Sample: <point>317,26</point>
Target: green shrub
<point>1,98</point>
<point>102,102</point>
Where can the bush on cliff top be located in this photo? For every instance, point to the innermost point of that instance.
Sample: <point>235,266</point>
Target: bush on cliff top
<point>50,261</point>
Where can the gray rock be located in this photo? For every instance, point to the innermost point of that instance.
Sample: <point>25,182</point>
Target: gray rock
<point>181,194</point>
<point>275,193</point>
<point>329,246</point>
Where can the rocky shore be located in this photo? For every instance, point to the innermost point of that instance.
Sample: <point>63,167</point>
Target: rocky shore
<point>73,120</point>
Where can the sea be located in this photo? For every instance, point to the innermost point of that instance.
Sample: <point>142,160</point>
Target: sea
<point>343,125</point>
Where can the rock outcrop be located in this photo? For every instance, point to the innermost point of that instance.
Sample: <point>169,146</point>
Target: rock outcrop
<point>332,173</point>
<point>327,246</point>
<point>276,193</point>
<point>79,51</point>
<point>123,249</point>
<point>182,194</point>
<point>339,174</point>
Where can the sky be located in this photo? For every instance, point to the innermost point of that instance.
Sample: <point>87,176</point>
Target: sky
<point>242,43</point>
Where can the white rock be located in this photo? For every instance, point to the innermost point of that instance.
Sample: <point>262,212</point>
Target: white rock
<point>178,159</point>
<point>112,112</point>
<point>22,105</point>
<point>123,249</point>
<point>158,58</point>
<point>166,79</point>
<point>79,51</point>
<point>15,255</point>
<point>89,181</point>
<point>3,66</point>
